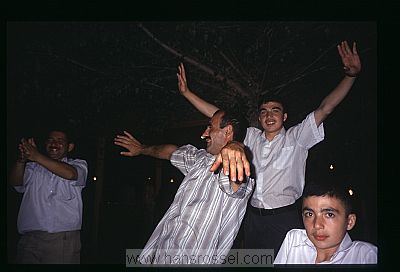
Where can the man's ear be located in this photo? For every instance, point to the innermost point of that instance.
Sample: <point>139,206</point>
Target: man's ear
<point>229,132</point>
<point>351,221</point>
<point>71,147</point>
<point>284,117</point>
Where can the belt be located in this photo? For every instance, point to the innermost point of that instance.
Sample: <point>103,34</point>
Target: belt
<point>260,211</point>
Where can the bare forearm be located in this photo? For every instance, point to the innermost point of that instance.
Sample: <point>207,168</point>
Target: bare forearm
<point>61,169</point>
<point>201,105</point>
<point>333,99</point>
<point>159,151</point>
<point>17,174</point>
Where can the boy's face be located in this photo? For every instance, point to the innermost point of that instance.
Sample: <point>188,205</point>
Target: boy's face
<point>271,116</point>
<point>326,222</point>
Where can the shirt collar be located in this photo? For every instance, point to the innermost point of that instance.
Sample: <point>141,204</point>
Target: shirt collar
<point>304,241</point>
<point>345,244</point>
<point>281,133</point>
<point>307,241</point>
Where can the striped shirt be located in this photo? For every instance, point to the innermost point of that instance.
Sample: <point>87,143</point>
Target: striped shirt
<point>203,220</point>
<point>280,164</point>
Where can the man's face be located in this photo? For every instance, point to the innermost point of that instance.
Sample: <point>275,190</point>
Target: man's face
<point>57,145</point>
<point>326,222</point>
<point>271,116</point>
<point>215,136</point>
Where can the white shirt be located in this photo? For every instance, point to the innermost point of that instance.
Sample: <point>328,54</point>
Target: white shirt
<point>51,203</point>
<point>298,249</point>
<point>280,164</point>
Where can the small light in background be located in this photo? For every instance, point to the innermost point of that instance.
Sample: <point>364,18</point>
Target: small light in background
<point>149,178</point>
<point>94,178</point>
<point>351,192</point>
<point>331,167</point>
<point>171,180</point>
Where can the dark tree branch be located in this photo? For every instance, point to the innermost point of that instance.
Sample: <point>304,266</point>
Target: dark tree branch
<point>244,76</point>
<point>294,79</point>
<point>197,64</point>
<point>211,86</point>
<point>301,73</point>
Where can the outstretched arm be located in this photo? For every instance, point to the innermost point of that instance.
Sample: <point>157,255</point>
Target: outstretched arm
<point>203,106</point>
<point>352,67</point>
<point>135,148</point>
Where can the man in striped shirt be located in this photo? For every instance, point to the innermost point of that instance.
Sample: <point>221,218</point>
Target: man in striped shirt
<point>202,222</point>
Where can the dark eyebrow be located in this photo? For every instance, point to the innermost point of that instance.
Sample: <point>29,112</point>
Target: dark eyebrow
<point>330,210</point>
<point>273,108</point>
<point>307,209</point>
<point>57,139</point>
<point>323,210</point>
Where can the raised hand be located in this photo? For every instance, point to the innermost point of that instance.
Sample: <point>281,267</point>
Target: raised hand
<point>22,156</point>
<point>182,83</point>
<point>350,59</point>
<point>129,142</point>
<point>234,161</point>
<point>28,150</point>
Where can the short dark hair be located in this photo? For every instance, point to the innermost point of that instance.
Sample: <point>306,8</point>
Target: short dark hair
<point>238,122</point>
<point>271,98</point>
<point>64,129</point>
<point>331,190</point>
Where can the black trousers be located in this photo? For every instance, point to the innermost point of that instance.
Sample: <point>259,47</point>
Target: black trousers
<point>268,230</point>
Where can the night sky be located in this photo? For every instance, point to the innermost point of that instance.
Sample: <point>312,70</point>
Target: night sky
<point>103,77</point>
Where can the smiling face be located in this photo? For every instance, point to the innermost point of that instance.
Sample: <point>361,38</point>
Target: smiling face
<point>326,222</point>
<point>271,118</point>
<point>215,136</point>
<point>57,145</point>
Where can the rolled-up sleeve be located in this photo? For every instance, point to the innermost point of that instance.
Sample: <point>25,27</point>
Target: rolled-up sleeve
<point>307,133</point>
<point>225,186</point>
<point>185,157</point>
<point>29,167</point>
<point>82,169</point>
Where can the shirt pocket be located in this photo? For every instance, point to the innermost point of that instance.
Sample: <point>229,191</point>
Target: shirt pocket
<point>65,191</point>
<point>284,158</point>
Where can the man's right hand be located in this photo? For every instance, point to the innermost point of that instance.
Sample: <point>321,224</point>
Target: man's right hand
<point>182,83</point>
<point>234,161</point>
<point>129,142</point>
<point>28,150</point>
